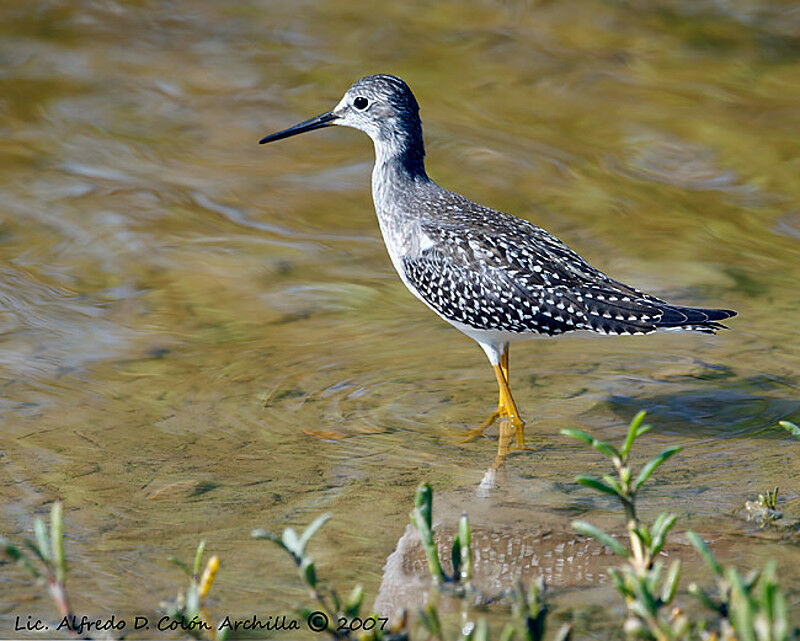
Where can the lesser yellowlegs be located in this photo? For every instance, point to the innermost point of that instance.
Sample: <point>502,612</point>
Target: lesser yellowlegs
<point>493,276</point>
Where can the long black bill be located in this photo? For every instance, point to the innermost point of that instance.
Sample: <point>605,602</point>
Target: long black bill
<point>317,122</point>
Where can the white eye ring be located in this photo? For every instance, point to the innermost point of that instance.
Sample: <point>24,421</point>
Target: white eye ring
<point>360,103</point>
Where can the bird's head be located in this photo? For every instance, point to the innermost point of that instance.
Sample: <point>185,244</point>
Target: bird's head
<point>382,106</point>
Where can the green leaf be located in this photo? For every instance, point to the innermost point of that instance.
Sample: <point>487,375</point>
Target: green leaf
<point>57,541</point>
<point>180,564</point>
<point>659,524</point>
<point>645,597</point>
<point>192,601</point>
<point>642,535</point>
<point>316,524</point>
<point>596,533</point>
<point>654,576</point>
<point>709,558</point>
<point>481,630</point>
<point>671,582</point>
<point>431,551</point>
<point>578,434</point>
<point>337,602</point>
<point>292,542</point>
<point>429,617</point>
<point>652,464</point>
<point>751,579</point>
<point>596,484</point>
<point>564,633</point>
<point>455,558</point>
<point>353,604</point>
<point>309,572</point>
<point>769,589</point>
<point>790,427</point>
<point>508,633</point>
<point>198,558</point>
<point>613,483</point>
<point>660,530</point>
<point>42,540</point>
<point>639,608</point>
<point>619,582</point>
<point>536,605</point>
<point>742,609</point>
<point>424,503</point>
<point>258,533</point>
<point>706,600</point>
<point>33,547</point>
<point>632,433</point>
<point>18,557</point>
<point>421,524</point>
<point>780,616</point>
<point>464,537</point>
<point>606,448</point>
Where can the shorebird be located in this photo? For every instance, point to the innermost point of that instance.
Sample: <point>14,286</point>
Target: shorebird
<point>491,275</point>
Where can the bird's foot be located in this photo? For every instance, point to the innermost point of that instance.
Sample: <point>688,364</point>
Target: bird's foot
<point>519,431</point>
<point>477,432</point>
<point>500,413</point>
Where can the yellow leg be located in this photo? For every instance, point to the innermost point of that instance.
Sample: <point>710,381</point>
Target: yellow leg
<point>477,432</point>
<point>504,364</point>
<point>509,406</point>
<point>506,408</point>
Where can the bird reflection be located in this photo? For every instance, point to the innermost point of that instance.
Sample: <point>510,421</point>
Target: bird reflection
<point>490,480</point>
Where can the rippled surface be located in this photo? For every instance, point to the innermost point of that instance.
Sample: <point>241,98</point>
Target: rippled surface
<point>201,336</point>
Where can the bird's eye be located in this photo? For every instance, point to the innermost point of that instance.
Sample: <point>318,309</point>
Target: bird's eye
<point>360,103</point>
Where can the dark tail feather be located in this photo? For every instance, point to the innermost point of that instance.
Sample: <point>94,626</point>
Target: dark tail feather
<point>695,319</point>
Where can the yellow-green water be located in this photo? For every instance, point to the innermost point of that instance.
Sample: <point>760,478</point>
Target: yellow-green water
<point>201,336</point>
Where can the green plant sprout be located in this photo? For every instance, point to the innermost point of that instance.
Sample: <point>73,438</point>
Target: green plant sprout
<point>764,510</point>
<point>461,553</point>
<point>333,608</point>
<point>187,607</point>
<point>751,607</point>
<point>748,608</point>
<point>790,427</point>
<point>48,549</point>
<point>641,580</point>
<point>528,608</point>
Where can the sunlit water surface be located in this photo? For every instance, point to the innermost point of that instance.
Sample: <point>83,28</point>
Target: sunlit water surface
<point>201,336</point>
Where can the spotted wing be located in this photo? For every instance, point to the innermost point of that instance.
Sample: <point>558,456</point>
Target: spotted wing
<point>512,276</point>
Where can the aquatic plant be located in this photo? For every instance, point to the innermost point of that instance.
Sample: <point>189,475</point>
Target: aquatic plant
<point>186,609</point>
<point>339,618</point>
<point>185,613</point>
<point>764,509</point>
<point>750,608</point>
<point>790,427</point>
<point>48,551</point>
<point>528,611</point>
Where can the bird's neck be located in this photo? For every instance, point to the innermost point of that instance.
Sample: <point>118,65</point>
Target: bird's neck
<point>399,168</point>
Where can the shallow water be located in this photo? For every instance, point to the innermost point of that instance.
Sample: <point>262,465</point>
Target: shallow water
<point>201,336</point>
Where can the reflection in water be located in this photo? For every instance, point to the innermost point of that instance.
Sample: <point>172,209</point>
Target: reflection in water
<point>504,439</point>
<point>183,315</point>
<point>501,555</point>
<point>512,544</point>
